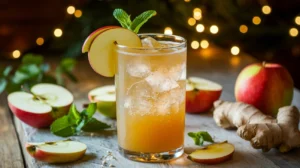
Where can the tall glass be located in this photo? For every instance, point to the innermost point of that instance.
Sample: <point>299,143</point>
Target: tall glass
<point>151,99</point>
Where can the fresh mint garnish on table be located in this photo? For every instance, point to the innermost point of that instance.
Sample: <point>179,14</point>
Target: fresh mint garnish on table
<point>200,137</point>
<point>137,23</point>
<point>76,121</point>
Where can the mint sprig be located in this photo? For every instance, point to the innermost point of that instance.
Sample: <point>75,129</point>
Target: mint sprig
<point>137,23</point>
<point>200,137</point>
<point>76,121</point>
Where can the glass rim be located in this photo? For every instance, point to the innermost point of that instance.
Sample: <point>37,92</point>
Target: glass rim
<point>180,44</point>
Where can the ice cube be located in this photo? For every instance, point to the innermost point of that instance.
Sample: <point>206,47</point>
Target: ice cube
<point>161,82</point>
<point>177,72</point>
<point>138,69</point>
<point>150,42</point>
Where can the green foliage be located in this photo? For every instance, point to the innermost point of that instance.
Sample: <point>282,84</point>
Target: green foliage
<point>200,137</point>
<point>137,23</point>
<point>76,121</point>
<point>33,70</point>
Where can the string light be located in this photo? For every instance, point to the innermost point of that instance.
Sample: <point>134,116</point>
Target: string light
<point>40,41</point>
<point>168,31</point>
<point>266,9</point>
<point>16,54</point>
<point>191,21</point>
<point>256,20</point>
<point>235,50</point>
<point>195,44</point>
<point>214,29</point>
<point>58,32</point>
<point>197,13</point>
<point>294,32</point>
<point>204,44</point>
<point>243,29</point>
<point>297,20</point>
<point>200,27</point>
<point>78,13</point>
<point>70,10</point>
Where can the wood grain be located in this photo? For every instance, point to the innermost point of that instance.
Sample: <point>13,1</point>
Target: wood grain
<point>10,152</point>
<point>214,64</point>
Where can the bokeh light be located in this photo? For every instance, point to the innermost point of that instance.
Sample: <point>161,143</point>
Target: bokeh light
<point>243,29</point>
<point>235,50</point>
<point>58,32</point>
<point>214,29</point>
<point>195,44</point>
<point>78,13</point>
<point>293,32</point>
<point>235,60</point>
<point>197,13</point>
<point>266,9</point>
<point>256,20</point>
<point>70,10</point>
<point>168,31</point>
<point>204,44</point>
<point>40,41</point>
<point>191,21</point>
<point>16,54</point>
<point>297,20</point>
<point>200,27</point>
<point>187,0</point>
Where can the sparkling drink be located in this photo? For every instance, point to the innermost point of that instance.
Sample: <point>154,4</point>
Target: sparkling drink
<point>150,84</point>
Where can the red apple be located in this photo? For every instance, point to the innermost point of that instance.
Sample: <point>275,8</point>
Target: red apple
<point>213,154</point>
<point>87,43</point>
<point>102,51</point>
<point>266,86</point>
<point>57,152</point>
<point>201,94</point>
<point>42,106</point>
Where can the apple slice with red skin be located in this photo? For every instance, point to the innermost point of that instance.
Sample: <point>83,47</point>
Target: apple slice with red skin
<point>40,108</point>
<point>57,152</point>
<point>102,53</point>
<point>88,41</point>
<point>201,94</point>
<point>213,154</point>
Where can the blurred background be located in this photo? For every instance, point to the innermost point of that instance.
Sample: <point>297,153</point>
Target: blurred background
<point>267,30</point>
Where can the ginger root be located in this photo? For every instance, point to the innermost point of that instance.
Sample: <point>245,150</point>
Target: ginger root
<point>264,132</point>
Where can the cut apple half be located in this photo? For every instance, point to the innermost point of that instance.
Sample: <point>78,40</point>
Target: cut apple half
<point>40,108</point>
<point>87,43</point>
<point>213,154</point>
<point>201,94</point>
<point>102,53</point>
<point>105,97</point>
<point>57,152</point>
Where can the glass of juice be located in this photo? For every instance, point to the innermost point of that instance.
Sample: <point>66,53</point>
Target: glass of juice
<point>150,87</point>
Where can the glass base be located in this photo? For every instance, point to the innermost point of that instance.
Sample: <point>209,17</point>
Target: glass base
<point>152,157</point>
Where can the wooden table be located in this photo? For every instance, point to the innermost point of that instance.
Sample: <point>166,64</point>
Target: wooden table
<point>212,63</point>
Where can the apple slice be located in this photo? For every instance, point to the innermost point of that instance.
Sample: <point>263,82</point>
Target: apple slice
<point>102,53</point>
<point>57,152</point>
<point>213,154</point>
<point>40,108</point>
<point>87,43</point>
<point>201,94</point>
<point>106,100</point>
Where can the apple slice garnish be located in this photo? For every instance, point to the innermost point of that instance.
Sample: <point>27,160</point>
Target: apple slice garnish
<point>201,94</point>
<point>105,97</point>
<point>42,106</point>
<point>213,154</point>
<point>102,52</point>
<point>88,41</point>
<point>57,152</point>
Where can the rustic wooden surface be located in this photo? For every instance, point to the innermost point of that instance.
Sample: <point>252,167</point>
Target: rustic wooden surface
<point>213,64</point>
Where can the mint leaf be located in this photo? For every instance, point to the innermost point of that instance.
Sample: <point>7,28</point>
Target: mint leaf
<point>62,127</point>
<point>74,115</point>
<point>3,84</point>
<point>7,70</point>
<point>123,18</point>
<point>200,137</point>
<point>141,19</point>
<point>93,125</point>
<point>90,110</point>
<point>32,59</point>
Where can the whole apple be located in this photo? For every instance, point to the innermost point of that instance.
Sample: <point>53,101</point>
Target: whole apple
<point>267,86</point>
